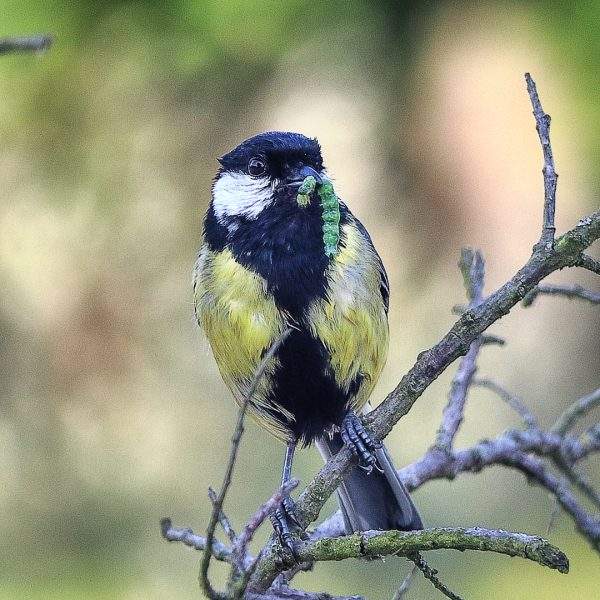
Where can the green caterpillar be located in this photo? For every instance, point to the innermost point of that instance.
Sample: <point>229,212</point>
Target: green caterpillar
<point>305,191</point>
<point>331,210</point>
<point>331,217</point>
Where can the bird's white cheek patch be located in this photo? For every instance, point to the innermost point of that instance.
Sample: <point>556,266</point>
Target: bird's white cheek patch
<point>238,194</point>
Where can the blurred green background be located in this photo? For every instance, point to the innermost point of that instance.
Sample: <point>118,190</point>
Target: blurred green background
<point>112,413</point>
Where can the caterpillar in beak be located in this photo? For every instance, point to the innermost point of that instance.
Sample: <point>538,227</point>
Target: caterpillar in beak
<point>331,210</point>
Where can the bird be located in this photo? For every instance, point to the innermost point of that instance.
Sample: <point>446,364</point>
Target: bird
<point>271,264</point>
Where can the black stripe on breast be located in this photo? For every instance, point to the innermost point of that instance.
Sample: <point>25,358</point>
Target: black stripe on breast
<point>304,386</point>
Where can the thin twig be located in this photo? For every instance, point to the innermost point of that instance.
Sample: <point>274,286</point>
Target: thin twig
<point>431,575</point>
<point>472,267</point>
<point>578,479</point>
<point>587,524</point>
<point>32,43</point>
<point>453,413</point>
<point>577,410</point>
<point>264,510</point>
<point>240,548</point>
<point>488,339</point>
<point>568,291</point>
<point>235,443</point>
<point>513,401</point>
<point>286,593</point>
<point>589,443</point>
<point>542,124</point>
<point>554,514</point>
<point>186,535</point>
<point>406,583</point>
<point>223,520</point>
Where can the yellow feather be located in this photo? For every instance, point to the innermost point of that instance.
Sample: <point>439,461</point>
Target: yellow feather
<point>351,321</point>
<point>241,321</point>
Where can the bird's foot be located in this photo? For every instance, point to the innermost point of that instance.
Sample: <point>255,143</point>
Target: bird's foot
<point>284,521</point>
<point>360,442</point>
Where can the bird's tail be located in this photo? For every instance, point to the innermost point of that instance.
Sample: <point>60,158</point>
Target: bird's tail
<point>372,501</point>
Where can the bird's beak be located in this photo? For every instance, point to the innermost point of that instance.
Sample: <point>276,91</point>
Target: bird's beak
<point>297,176</point>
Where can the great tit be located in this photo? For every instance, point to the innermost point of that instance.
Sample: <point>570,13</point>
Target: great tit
<point>265,266</point>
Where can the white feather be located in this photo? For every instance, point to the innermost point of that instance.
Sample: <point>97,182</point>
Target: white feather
<point>238,194</point>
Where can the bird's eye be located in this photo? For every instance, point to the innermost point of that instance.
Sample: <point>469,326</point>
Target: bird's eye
<point>256,167</point>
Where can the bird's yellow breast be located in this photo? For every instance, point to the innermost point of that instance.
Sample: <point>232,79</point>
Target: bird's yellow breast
<point>237,314</point>
<point>351,320</point>
<point>241,321</point>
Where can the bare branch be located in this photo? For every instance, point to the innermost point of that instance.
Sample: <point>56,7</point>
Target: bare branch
<point>472,268</point>
<point>588,525</point>
<point>513,401</point>
<point>33,43</point>
<point>431,575</point>
<point>225,554</point>
<point>568,291</point>
<point>406,583</point>
<point>223,520</point>
<point>508,450</point>
<point>197,542</point>
<point>454,410</point>
<point>579,480</point>
<point>487,339</point>
<point>235,443</point>
<point>542,124</point>
<point>589,442</point>
<point>577,410</point>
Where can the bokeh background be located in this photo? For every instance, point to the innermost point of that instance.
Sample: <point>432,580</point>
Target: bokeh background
<point>112,412</point>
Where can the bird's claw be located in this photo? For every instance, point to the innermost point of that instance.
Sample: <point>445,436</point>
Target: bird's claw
<point>284,520</point>
<point>290,510</point>
<point>360,442</point>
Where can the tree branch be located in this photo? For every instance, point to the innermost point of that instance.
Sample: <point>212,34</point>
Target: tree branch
<point>431,575</point>
<point>577,410</point>
<point>185,535</point>
<point>508,450</point>
<point>511,400</point>
<point>406,583</point>
<point>33,43</point>
<point>568,291</point>
<point>542,124</point>
<point>374,544</point>
<point>472,267</point>
<point>587,262</point>
<point>223,519</point>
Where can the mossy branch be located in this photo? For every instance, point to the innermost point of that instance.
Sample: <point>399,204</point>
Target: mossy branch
<point>373,544</point>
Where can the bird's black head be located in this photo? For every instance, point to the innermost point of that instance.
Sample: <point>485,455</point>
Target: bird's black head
<point>263,169</point>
